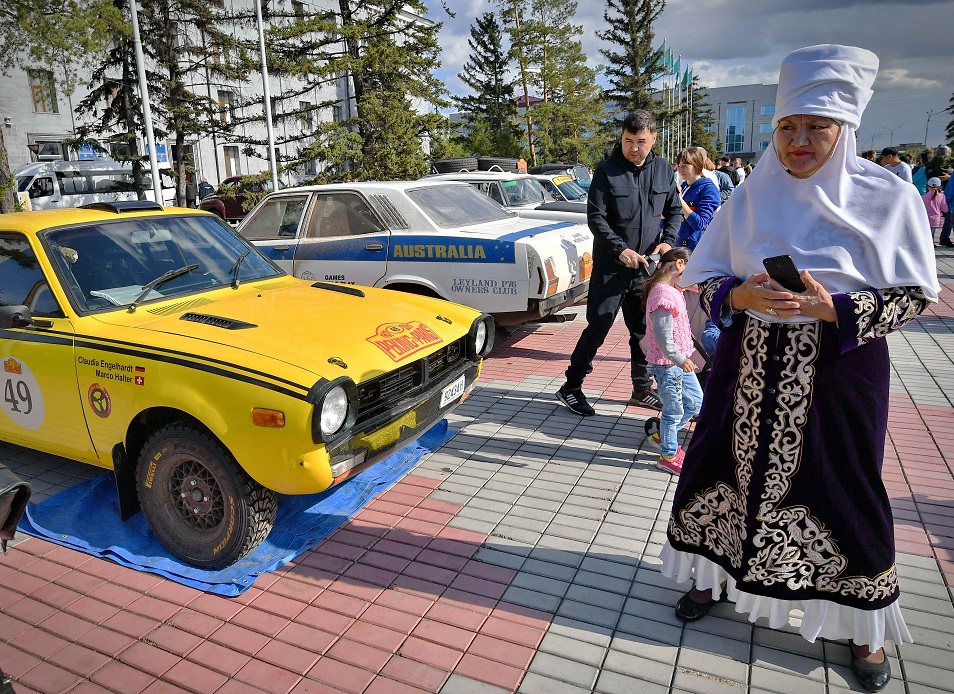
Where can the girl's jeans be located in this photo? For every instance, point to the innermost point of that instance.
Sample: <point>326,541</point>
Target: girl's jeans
<point>681,398</point>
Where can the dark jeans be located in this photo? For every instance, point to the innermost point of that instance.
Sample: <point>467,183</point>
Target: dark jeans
<point>609,292</point>
<point>946,231</point>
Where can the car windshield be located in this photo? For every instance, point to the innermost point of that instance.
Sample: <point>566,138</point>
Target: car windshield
<point>525,191</point>
<point>23,183</point>
<point>457,205</point>
<point>571,190</point>
<point>108,264</point>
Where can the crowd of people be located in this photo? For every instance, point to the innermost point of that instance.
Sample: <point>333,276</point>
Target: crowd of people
<point>779,503</point>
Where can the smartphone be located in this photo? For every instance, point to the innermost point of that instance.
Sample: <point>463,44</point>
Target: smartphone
<point>781,268</point>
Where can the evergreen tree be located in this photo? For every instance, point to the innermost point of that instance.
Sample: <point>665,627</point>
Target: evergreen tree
<point>571,103</point>
<point>490,112</point>
<point>513,14</point>
<point>949,133</point>
<point>365,71</point>
<point>633,63</point>
<point>702,119</point>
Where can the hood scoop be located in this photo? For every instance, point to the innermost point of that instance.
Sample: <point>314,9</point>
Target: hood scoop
<point>343,288</point>
<point>216,321</point>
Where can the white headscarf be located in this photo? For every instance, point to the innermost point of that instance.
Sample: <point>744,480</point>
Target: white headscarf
<point>852,224</point>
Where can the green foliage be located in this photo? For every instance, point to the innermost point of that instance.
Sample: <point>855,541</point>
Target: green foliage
<point>632,64</point>
<point>949,133</point>
<point>490,112</point>
<point>368,126</point>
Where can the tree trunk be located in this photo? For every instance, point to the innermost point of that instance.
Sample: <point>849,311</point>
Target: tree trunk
<point>8,203</point>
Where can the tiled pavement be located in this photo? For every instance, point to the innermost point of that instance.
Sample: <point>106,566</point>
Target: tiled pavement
<point>521,556</point>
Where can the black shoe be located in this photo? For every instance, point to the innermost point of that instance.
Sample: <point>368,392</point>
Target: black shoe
<point>575,401</point>
<point>646,398</point>
<point>688,610</point>
<point>872,676</point>
<point>946,244</point>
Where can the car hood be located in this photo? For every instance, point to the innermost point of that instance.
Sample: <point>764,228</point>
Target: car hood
<point>323,328</point>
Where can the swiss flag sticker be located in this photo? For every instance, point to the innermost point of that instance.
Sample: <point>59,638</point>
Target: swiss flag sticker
<point>140,380</point>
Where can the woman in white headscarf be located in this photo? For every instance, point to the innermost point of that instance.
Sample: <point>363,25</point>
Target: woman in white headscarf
<point>780,505</point>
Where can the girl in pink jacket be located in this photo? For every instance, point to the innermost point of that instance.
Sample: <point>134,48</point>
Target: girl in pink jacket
<point>669,348</point>
<point>936,205</point>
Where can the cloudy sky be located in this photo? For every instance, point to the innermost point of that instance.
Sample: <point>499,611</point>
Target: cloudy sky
<point>728,42</point>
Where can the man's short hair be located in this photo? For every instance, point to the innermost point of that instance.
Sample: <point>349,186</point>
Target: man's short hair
<point>889,152</point>
<point>639,120</point>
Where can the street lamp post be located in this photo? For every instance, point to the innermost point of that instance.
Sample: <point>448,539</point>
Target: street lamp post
<point>929,114</point>
<point>891,130</point>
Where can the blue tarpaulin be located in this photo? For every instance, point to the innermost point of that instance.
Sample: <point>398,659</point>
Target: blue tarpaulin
<point>85,517</point>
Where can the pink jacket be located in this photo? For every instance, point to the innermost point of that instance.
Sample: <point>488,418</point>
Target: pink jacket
<point>668,297</point>
<point>936,205</point>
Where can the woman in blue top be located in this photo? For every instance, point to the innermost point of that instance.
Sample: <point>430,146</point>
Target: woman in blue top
<point>699,195</point>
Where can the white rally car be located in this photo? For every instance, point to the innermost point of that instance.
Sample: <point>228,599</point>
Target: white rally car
<point>433,237</point>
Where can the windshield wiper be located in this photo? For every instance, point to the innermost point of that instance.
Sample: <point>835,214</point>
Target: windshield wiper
<point>236,267</point>
<point>162,279</point>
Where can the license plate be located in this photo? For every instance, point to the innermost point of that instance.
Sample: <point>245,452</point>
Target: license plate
<point>453,391</point>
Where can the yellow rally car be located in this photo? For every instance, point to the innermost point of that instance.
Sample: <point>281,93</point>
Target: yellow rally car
<point>161,344</point>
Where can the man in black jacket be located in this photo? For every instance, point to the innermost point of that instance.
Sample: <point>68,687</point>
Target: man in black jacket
<point>629,194</point>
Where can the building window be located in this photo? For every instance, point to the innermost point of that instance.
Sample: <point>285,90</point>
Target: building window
<point>231,155</point>
<point>707,126</point>
<point>44,93</point>
<point>768,110</point>
<point>307,115</point>
<point>765,127</point>
<point>763,145</point>
<point>735,129</point>
<point>226,106</point>
<point>298,8</point>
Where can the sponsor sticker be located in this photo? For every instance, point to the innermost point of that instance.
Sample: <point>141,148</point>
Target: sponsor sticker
<point>400,340</point>
<point>99,401</point>
<point>20,395</point>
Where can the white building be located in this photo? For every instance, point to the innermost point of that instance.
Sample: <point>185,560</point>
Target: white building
<point>742,118</point>
<point>36,118</point>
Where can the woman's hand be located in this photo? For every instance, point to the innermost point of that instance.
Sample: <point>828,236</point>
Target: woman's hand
<point>688,366</point>
<point>816,302</point>
<point>761,293</point>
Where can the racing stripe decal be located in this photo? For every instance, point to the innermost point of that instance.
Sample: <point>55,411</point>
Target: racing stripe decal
<point>213,366</point>
<point>517,235</point>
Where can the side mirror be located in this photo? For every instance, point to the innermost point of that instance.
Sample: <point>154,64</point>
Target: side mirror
<point>15,317</point>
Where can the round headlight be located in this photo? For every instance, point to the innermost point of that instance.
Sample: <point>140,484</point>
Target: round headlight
<point>480,339</point>
<point>334,410</point>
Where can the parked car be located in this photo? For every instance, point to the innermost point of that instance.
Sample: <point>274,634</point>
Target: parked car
<point>562,187</point>
<point>432,236</point>
<point>162,345</point>
<point>520,193</point>
<point>49,185</point>
<point>228,200</point>
<point>579,173</point>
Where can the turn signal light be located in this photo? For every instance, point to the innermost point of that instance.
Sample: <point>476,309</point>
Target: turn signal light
<point>268,418</point>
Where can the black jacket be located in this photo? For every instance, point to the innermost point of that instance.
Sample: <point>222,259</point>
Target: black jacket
<point>625,204</point>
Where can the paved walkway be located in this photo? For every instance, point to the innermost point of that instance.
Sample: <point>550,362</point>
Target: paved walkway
<point>521,556</point>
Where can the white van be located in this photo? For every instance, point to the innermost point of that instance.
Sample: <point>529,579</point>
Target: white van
<point>52,184</point>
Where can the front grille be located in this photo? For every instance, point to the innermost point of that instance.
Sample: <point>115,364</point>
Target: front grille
<point>380,393</point>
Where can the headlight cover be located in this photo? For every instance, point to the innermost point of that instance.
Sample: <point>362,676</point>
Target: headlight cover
<point>481,338</point>
<point>335,409</point>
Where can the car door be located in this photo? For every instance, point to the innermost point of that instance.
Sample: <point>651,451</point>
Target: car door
<point>39,398</point>
<point>344,241</point>
<point>275,225</point>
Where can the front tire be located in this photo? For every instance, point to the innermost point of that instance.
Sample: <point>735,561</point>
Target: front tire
<point>199,503</point>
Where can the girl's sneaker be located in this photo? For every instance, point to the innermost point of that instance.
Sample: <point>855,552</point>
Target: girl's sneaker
<point>672,463</point>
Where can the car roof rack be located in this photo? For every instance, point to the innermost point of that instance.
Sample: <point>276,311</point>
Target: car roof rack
<point>124,206</point>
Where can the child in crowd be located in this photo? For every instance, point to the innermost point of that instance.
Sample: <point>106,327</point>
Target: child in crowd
<point>669,346</point>
<point>936,205</point>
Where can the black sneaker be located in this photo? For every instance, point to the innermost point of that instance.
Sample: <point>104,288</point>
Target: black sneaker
<point>646,398</point>
<point>575,401</point>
